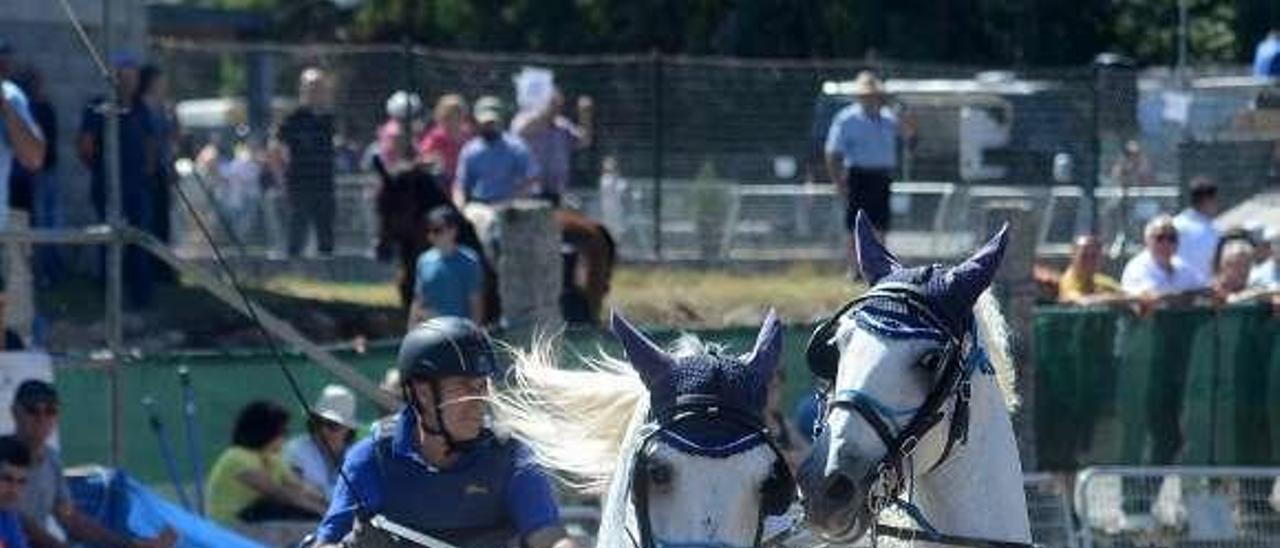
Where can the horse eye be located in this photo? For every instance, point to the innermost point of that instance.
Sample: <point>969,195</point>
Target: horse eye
<point>931,360</point>
<point>659,473</point>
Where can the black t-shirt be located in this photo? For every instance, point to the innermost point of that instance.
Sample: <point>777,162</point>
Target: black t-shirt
<point>309,136</point>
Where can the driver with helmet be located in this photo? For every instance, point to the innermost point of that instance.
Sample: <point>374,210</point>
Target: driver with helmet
<point>435,467</point>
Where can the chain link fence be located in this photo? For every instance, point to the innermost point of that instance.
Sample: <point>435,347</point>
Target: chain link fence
<point>720,159</point>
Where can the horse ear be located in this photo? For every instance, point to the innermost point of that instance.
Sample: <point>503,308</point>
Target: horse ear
<point>767,354</point>
<point>650,361</point>
<point>381,168</point>
<point>970,278</point>
<point>873,259</point>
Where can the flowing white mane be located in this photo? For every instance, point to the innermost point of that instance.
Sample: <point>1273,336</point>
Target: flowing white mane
<point>574,421</point>
<point>993,333</point>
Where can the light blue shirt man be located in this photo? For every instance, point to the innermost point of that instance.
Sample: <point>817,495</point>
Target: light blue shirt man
<point>864,142</point>
<point>494,171</point>
<point>1266,59</point>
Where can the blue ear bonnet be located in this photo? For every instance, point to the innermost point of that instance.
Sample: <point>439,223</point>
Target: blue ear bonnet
<point>892,318</point>
<point>732,382</point>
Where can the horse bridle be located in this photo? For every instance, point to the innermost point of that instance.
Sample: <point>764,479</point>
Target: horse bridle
<point>886,480</point>
<point>778,490</point>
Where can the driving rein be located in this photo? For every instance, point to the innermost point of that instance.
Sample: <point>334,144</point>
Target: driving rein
<point>887,479</point>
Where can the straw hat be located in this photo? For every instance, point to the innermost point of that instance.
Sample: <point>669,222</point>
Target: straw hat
<point>867,84</point>
<point>337,403</point>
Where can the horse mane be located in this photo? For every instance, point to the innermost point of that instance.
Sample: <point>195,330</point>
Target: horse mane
<point>993,334</point>
<point>575,422</point>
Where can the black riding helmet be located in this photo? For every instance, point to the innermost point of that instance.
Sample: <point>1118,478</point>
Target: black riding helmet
<point>442,347</point>
<point>446,346</point>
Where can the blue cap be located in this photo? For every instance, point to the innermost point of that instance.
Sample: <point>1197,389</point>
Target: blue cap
<point>125,59</point>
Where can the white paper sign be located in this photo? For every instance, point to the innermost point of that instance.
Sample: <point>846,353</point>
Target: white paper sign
<point>1177,106</point>
<point>534,86</point>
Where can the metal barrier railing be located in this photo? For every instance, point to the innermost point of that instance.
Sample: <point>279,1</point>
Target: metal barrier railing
<point>1178,506</point>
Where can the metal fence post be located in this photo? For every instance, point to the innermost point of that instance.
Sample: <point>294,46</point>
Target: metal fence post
<point>115,250</point>
<point>657,154</point>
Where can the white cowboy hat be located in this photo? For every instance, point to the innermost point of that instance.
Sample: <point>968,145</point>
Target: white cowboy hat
<point>337,403</point>
<point>867,84</point>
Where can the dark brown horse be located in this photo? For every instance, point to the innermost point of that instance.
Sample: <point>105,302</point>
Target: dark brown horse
<point>405,197</point>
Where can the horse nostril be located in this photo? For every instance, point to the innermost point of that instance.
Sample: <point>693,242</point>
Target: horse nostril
<point>839,488</point>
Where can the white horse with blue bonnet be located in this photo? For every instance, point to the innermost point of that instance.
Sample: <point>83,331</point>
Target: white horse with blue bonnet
<point>916,423</point>
<point>675,437</point>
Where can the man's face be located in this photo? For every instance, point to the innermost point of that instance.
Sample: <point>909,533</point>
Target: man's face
<point>128,79</point>
<point>871,101</point>
<point>12,481</point>
<point>442,235</point>
<point>490,128</point>
<point>1163,244</point>
<point>35,422</point>
<point>461,402</point>
<point>1233,271</point>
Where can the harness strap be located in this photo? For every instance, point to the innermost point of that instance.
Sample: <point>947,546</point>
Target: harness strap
<point>910,535</point>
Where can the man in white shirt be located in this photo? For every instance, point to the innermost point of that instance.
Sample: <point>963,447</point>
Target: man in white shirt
<point>1197,238</point>
<point>1157,270</point>
<point>1266,275</point>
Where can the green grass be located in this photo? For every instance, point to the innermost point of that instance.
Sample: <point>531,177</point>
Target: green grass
<point>360,293</point>
<point>714,298</point>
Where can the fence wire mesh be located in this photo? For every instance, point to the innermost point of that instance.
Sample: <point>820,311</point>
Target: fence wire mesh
<point>721,159</point>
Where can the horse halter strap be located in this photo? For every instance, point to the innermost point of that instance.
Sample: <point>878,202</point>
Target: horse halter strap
<point>953,382</point>
<point>695,407</point>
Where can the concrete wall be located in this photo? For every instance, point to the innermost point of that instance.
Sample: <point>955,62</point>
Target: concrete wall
<point>41,36</point>
<point>529,265</point>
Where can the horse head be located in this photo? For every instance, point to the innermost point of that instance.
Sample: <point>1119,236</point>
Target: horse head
<point>703,471</point>
<point>403,199</point>
<point>889,357</point>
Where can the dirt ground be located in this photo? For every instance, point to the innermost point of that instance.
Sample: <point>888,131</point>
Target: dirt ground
<point>336,313</point>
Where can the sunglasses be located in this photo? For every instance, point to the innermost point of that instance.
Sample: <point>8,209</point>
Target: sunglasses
<point>436,229</point>
<point>1166,237</point>
<point>41,410</point>
<point>13,480</point>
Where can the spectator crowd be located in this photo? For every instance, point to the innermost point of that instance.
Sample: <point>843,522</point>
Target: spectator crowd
<point>1186,259</point>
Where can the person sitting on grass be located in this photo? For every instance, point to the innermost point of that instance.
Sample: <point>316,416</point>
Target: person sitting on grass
<point>15,460</point>
<point>449,276</point>
<point>250,482</point>
<point>331,430</point>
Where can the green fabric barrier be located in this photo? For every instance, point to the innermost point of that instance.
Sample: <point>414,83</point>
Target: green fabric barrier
<point>1188,386</point>
<point>224,383</point>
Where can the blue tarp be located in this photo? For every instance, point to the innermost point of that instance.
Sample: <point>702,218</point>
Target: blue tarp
<point>128,507</point>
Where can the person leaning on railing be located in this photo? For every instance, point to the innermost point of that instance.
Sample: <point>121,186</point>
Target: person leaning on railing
<point>1232,263</point>
<point>1082,283</point>
<point>1157,276</point>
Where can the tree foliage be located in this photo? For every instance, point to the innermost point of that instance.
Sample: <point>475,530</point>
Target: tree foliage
<point>1020,32</point>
